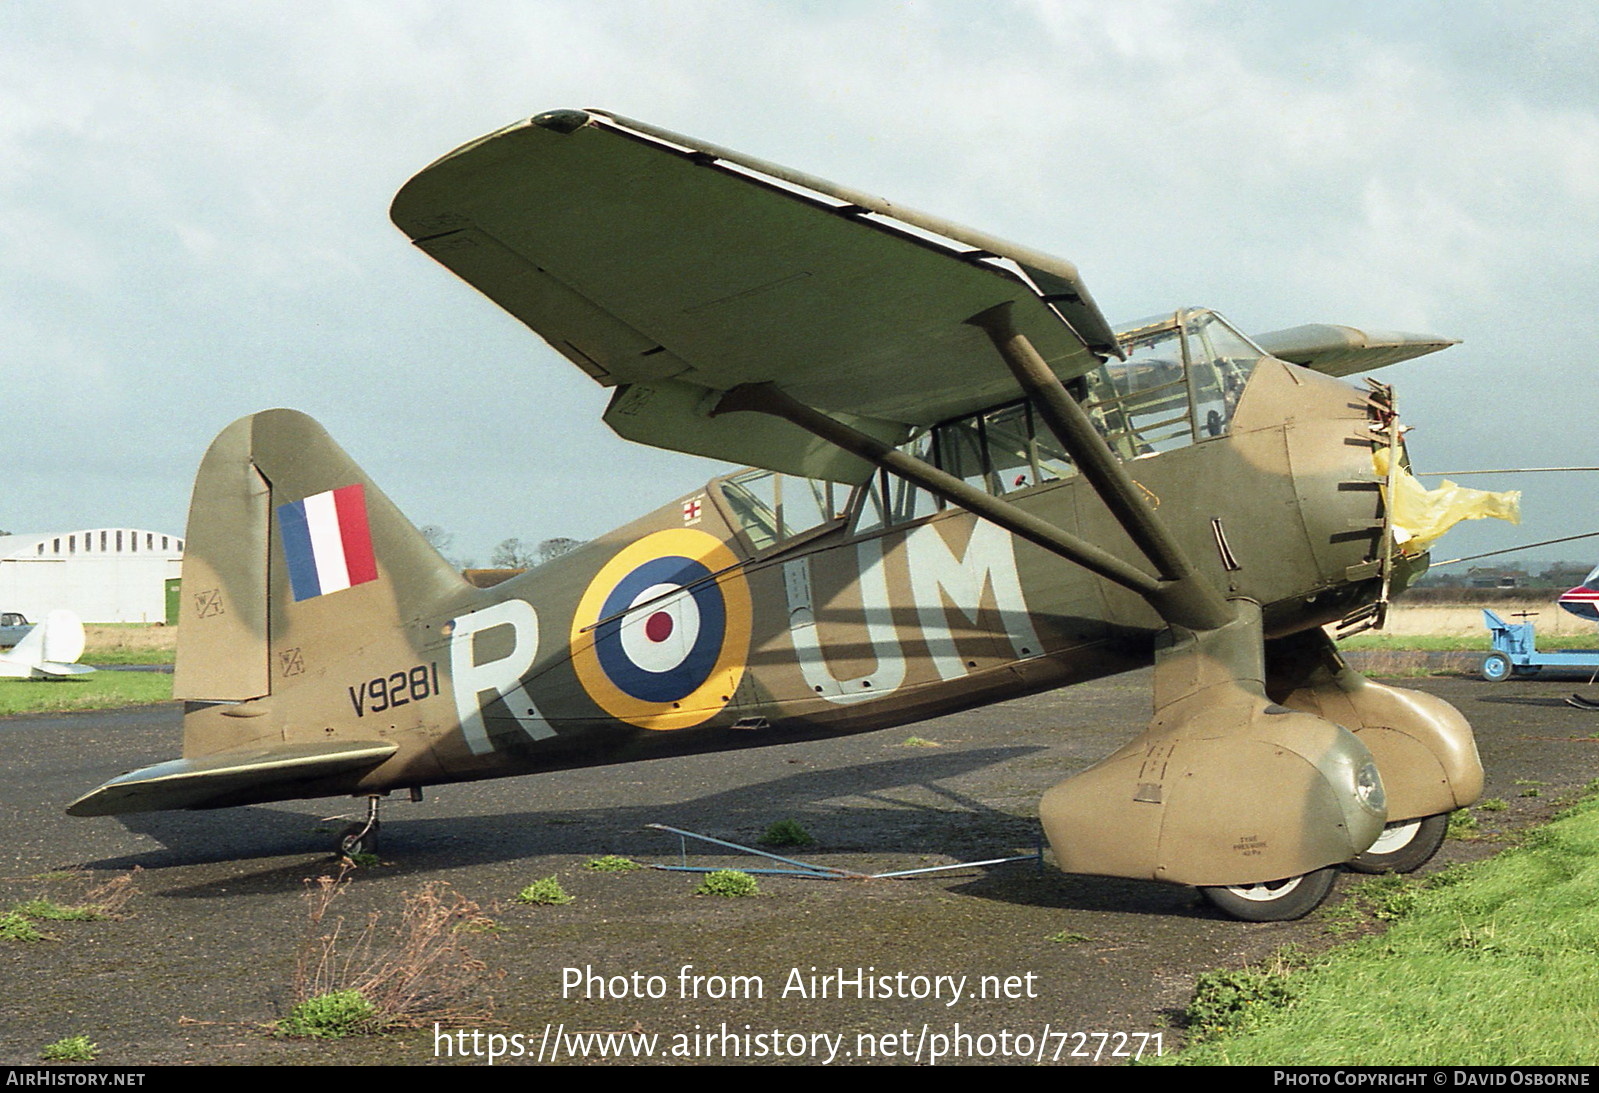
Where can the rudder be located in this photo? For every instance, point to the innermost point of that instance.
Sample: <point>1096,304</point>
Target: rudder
<point>292,560</point>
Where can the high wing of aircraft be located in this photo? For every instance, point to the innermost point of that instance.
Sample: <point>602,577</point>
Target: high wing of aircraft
<point>965,486</point>
<point>49,650</point>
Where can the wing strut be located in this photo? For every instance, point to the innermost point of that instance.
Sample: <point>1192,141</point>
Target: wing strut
<point>1186,598</point>
<point>767,398</point>
<point>1175,601</point>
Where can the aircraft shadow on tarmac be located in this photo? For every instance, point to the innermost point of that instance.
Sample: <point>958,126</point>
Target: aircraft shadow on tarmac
<point>907,811</point>
<point>893,809</point>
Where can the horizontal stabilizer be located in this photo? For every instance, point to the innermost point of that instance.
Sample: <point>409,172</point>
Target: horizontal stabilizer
<point>229,778</point>
<point>55,668</point>
<point>1345,350</point>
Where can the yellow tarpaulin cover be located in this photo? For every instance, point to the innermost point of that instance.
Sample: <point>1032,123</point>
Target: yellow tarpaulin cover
<point>1420,516</point>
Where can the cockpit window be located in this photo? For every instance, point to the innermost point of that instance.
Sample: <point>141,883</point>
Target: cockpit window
<point>772,508</point>
<point>1180,383</point>
<point>1141,405</point>
<point>1220,361</point>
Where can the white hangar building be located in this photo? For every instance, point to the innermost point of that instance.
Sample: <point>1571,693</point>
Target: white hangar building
<point>104,574</point>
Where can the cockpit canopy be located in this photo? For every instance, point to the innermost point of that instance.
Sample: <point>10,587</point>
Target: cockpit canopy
<point>1179,385</point>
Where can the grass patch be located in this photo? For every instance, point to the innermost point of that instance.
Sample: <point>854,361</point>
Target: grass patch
<point>15,927</point>
<point>1428,643</point>
<point>1228,1002</point>
<point>1377,900</point>
<point>730,883</point>
<point>1492,804</point>
<point>1069,937</point>
<point>787,833</point>
<point>98,903</point>
<point>70,1049</point>
<point>331,1016</point>
<point>100,691</point>
<point>613,863</point>
<point>47,911</point>
<point>545,893</point>
<point>1463,825</point>
<point>919,742</point>
<point>1490,966</point>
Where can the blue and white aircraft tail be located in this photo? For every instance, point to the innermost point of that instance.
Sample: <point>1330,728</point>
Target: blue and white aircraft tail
<point>49,651</point>
<point>1583,601</point>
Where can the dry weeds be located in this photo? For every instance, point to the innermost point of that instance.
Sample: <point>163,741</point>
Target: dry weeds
<point>129,643</point>
<point>111,898</point>
<point>1459,620</point>
<point>418,971</point>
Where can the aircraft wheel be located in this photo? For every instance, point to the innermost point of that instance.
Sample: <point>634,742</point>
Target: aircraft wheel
<point>1275,900</point>
<point>358,838</point>
<point>1403,846</point>
<point>1496,667</point>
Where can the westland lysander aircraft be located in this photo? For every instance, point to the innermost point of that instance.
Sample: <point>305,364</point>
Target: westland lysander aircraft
<point>970,488</point>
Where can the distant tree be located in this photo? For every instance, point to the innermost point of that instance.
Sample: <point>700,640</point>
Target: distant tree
<point>441,541</point>
<point>551,549</point>
<point>437,537</point>
<point>518,554</point>
<point>513,554</point>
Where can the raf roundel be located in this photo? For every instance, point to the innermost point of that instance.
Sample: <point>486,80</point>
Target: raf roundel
<point>660,635</point>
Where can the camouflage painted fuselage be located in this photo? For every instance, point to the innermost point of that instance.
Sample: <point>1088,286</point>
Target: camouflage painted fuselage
<point>673,634</point>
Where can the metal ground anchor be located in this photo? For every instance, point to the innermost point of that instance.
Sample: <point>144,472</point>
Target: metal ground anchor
<point>811,869</point>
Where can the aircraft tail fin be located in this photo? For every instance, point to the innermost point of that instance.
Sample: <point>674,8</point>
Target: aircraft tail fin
<point>293,561</point>
<point>49,649</point>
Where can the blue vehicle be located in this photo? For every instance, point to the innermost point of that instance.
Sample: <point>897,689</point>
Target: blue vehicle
<point>14,626</point>
<point>1515,652</point>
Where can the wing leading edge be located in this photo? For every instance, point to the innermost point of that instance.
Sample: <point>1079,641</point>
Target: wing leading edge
<point>675,271</point>
<point>233,778</point>
<point>1345,350</point>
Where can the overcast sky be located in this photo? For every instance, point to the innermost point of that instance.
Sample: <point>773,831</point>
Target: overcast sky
<point>194,198</point>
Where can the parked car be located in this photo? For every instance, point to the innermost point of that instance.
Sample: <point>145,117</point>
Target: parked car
<point>14,625</point>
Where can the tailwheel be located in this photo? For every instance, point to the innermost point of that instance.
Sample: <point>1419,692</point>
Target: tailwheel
<point>361,837</point>
<point>1403,846</point>
<point>1275,900</point>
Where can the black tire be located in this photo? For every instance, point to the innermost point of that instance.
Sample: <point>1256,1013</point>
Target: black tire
<point>358,839</point>
<point>1496,668</point>
<point>1275,901</point>
<point>1404,846</point>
